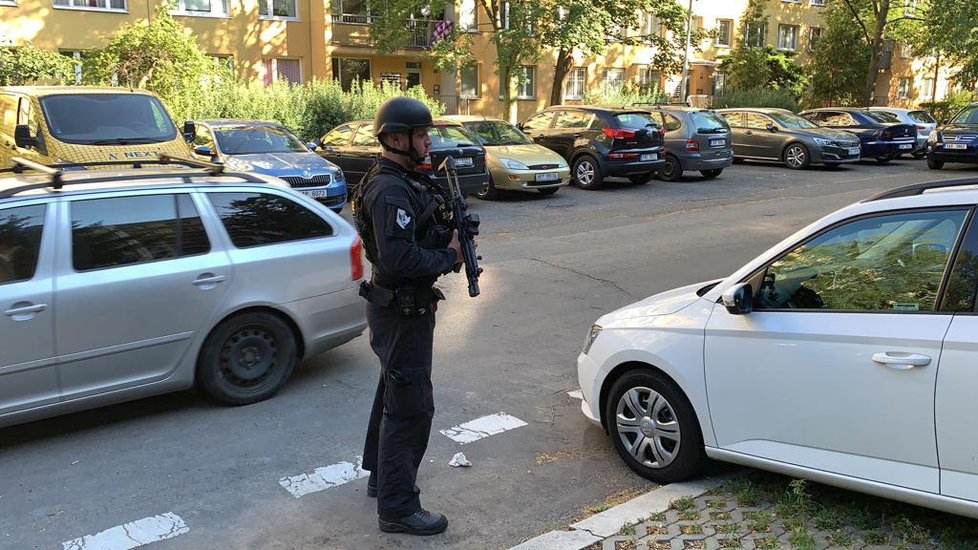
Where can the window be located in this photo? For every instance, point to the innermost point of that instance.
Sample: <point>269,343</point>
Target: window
<point>906,51</point>
<point>671,123</point>
<point>365,137</point>
<point>814,34</point>
<point>573,119</point>
<point>256,219</point>
<point>528,88</point>
<point>204,138</point>
<point>467,18</point>
<point>111,5</point>
<point>788,37</point>
<point>413,69</point>
<point>649,77</point>
<point>469,77</point>
<point>719,82</point>
<point>735,120</point>
<point>613,80</point>
<point>576,83</point>
<point>540,121</point>
<point>20,242</point>
<point>903,87</point>
<point>277,9</point>
<point>88,118</point>
<point>124,231</point>
<point>258,139</point>
<point>757,121</point>
<point>635,121</point>
<point>837,120</point>
<point>216,8</point>
<point>892,262</point>
<point>347,70</point>
<point>755,34</point>
<point>78,57</point>
<point>289,70</point>
<point>724,33</point>
<point>338,137</point>
<point>816,2</point>
<point>926,89</point>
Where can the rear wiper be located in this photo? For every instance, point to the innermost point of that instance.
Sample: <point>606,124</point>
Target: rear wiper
<point>123,141</point>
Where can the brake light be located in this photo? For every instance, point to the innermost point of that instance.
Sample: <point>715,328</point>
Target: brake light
<point>426,164</point>
<point>623,155</point>
<point>692,145</point>
<point>619,133</point>
<point>356,259</point>
<point>921,127</point>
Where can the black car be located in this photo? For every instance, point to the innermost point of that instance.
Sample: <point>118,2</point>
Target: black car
<point>883,136</point>
<point>353,147</point>
<point>600,141</point>
<point>957,141</point>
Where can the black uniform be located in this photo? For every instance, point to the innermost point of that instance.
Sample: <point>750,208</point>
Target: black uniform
<point>397,217</point>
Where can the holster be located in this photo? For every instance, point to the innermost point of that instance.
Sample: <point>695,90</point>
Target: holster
<point>409,300</point>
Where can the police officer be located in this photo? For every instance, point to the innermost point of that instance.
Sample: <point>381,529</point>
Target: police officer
<point>397,215</point>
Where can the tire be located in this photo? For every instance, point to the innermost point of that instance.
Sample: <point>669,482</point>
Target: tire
<point>640,179</point>
<point>587,173</point>
<point>247,358</point>
<point>935,164</point>
<point>548,191</point>
<point>672,170</point>
<point>489,192</point>
<point>712,173</point>
<point>796,156</point>
<point>678,453</point>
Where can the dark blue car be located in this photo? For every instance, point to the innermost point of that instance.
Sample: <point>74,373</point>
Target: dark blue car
<point>270,148</point>
<point>957,141</point>
<point>882,136</point>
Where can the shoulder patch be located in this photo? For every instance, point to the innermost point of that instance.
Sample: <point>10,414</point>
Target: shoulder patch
<point>403,219</point>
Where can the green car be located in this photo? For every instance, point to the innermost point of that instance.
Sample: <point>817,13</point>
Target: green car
<point>515,162</point>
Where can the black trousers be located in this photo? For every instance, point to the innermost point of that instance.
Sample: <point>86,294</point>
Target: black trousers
<point>400,420</point>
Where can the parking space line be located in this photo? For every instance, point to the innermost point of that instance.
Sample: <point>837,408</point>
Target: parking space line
<point>323,478</point>
<point>479,428</point>
<point>131,535</point>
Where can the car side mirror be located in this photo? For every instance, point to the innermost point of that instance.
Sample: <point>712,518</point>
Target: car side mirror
<point>738,299</point>
<point>203,150</point>
<point>771,128</point>
<point>23,137</point>
<point>189,130</point>
<point>312,145</point>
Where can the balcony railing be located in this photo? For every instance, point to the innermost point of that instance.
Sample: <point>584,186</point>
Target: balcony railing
<point>351,29</point>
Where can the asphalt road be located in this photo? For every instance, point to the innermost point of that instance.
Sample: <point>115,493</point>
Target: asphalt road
<point>553,265</point>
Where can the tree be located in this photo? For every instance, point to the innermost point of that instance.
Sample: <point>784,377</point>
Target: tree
<point>829,81</point>
<point>948,32</point>
<point>29,65</point>
<point>753,68</point>
<point>515,37</point>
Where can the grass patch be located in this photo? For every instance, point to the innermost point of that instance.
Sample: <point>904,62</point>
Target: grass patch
<point>766,543</point>
<point>720,516</point>
<point>692,529</point>
<point>658,516</point>
<point>684,503</point>
<point>688,515</point>
<point>628,530</point>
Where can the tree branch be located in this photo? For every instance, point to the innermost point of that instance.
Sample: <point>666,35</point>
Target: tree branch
<point>906,18</point>
<point>852,10</point>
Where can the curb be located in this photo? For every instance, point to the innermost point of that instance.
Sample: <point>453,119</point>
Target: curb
<point>605,524</point>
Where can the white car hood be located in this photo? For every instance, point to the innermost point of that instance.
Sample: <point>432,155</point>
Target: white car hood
<point>664,303</point>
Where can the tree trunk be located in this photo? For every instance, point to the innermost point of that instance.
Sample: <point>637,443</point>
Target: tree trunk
<point>875,51</point>
<point>561,70</point>
<point>506,83</point>
<point>937,74</point>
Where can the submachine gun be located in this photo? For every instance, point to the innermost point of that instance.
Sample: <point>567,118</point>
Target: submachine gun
<point>466,224</point>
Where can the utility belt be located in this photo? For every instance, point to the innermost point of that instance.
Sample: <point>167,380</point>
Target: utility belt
<point>409,300</point>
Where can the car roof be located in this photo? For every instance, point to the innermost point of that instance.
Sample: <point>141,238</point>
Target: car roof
<point>41,91</point>
<point>232,122</point>
<point>595,109</point>
<point>762,110</point>
<point>438,121</point>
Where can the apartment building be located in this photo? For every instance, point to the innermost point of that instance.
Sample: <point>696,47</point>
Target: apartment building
<point>297,40</point>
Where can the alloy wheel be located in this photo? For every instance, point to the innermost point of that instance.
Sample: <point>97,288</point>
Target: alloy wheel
<point>796,156</point>
<point>584,173</point>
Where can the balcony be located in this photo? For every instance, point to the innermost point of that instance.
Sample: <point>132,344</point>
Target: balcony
<point>354,30</point>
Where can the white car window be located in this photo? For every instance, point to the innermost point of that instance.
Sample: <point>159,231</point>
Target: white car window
<point>894,262</point>
<point>20,242</point>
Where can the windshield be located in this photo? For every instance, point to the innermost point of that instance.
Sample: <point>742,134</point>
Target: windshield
<point>968,115</point>
<point>921,116</point>
<point>885,117</point>
<point>258,139</point>
<point>709,123</point>
<point>444,137</point>
<point>792,121</point>
<point>635,121</point>
<point>107,119</point>
<point>497,133</point>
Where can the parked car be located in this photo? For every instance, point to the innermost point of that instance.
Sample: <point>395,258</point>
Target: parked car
<point>816,359</point>
<point>515,162</point>
<point>129,283</point>
<point>956,141</point>
<point>599,142</point>
<point>779,134</point>
<point>882,137</point>
<point>270,148</point>
<point>354,148</point>
<point>695,140</point>
<point>921,119</point>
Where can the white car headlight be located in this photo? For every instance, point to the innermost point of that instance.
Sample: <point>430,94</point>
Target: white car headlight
<point>822,141</point>
<point>592,335</point>
<point>513,164</point>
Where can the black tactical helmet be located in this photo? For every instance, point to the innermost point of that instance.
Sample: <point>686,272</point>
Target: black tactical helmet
<point>401,114</point>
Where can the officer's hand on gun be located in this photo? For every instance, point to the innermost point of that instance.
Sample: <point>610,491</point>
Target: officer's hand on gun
<point>457,247</point>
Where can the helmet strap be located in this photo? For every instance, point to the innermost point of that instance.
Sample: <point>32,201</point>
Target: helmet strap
<point>411,152</point>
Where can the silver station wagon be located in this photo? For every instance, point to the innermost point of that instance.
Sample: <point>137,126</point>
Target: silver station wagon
<point>121,284</point>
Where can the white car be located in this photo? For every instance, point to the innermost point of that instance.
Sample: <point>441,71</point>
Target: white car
<point>923,120</point>
<point>846,354</point>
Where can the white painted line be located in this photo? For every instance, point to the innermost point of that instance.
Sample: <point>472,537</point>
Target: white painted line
<point>131,535</point>
<point>479,428</point>
<point>323,478</point>
<point>576,394</point>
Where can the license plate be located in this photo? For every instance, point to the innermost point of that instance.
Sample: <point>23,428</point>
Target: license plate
<point>955,146</point>
<point>718,142</point>
<point>648,156</point>
<point>548,176</point>
<point>315,193</point>
<point>853,150</point>
<point>464,162</point>
<point>906,146</point>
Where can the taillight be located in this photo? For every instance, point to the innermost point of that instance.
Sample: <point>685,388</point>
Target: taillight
<point>692,145</point>
<point>356,259</point>
<point>885,134</point>
<point>619,133</point>
<point>623,155</point>
<point>426,164</point>
<point>921,127</point>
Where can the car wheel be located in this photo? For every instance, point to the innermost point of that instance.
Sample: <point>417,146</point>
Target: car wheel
<point>488,193</point>
<point>247,358</point>
<point>587,173</point>
<point>935,164</point>
<point>796,156</point>
<point>710,174</point>
<point>654,427</point>
<point>671,170</point>
<point>641,178</point>
<point>548,190</point>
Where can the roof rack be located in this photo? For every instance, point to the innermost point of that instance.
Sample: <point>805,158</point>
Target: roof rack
<point>919,188</point>
<point>21,164</point>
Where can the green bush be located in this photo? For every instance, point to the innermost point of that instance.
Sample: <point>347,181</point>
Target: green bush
<point>30,65</point>
<point>759,97</point>
<point>944,110</point>
<point>627,95</point>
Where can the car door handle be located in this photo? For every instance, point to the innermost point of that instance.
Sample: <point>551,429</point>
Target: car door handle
<point>901,360</point>
<point>21,309</point>
<point>208,279</point>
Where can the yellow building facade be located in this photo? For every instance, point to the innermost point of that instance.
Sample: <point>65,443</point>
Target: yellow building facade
<point>301,39</point>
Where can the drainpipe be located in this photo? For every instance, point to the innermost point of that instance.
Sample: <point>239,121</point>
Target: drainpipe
<point>689,37</point>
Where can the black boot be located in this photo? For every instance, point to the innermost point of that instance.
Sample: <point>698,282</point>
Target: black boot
<point>421,522</point>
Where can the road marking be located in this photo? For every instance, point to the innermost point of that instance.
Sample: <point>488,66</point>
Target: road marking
<point>131,535</point>
<point>479,428</point>
<point>576,394</point>
<point>323,478</point>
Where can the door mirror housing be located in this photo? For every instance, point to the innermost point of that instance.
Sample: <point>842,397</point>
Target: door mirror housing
<point>771,128</point>
<point>738,299</point>
<point>189,130</point>
<point>23,137</point>
<point>203,150</point>
<point>312,145</point>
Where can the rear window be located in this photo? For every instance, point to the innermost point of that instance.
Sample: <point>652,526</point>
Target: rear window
<point>882,116</point>
<point>107,119</point>
<point>706,122</point>
<point>445,137</point>
<point>922,117</point>
<point>635,121</point>
<point>256,219</point>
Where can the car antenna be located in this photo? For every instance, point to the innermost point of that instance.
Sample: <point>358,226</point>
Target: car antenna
<point>21,164</point>
<point>215,169</point>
